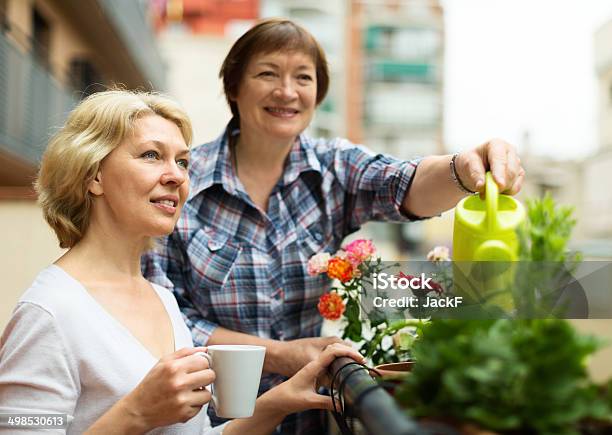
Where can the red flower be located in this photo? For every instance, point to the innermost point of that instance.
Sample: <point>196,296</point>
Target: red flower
<point>436,287</point>
<point>331,306</point>
<point>339,268</point>
<point>408,277</point>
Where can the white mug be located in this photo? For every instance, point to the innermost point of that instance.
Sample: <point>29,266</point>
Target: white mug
<point>238,370</point>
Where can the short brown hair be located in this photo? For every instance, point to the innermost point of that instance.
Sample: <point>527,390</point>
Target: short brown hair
<point>72,159</point>
<point>268,36</point>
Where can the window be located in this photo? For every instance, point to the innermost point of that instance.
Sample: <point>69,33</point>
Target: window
<point>4,26</point>
<point>41,37</point>
<point>84,77</point>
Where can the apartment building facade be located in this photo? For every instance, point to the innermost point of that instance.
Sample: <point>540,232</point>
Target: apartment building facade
<point>52,54</point>
<point>597,170</point>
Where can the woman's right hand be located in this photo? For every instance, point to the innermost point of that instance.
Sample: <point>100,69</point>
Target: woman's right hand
<point>172,391</point>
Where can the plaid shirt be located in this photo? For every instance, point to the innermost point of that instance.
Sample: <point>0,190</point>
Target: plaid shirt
<point>231,264</point>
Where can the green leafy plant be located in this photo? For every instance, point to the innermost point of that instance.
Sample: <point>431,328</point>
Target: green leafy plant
<point>515,376</point>
<point>546,234</point>
<point>546,262</point>
<point>519,376</point>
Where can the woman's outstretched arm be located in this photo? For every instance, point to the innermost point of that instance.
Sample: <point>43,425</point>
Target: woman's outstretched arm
<point>433,189</point>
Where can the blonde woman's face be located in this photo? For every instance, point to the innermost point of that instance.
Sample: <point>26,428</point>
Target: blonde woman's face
<point>277,96</point>
<point>143,183</point>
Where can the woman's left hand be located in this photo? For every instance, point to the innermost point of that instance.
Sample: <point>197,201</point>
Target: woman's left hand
<point>497,156</point>
<point>300,392</point>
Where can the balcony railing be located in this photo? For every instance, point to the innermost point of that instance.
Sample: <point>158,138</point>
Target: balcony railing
<point>362,398</point>
<point>32,102</point>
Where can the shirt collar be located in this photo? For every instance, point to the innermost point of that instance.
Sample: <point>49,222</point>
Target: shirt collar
<point>212,164</point>
<point>301,158</point>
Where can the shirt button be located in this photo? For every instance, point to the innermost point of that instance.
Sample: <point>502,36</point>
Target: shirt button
<point>318,237</point>
<point>215,245</point>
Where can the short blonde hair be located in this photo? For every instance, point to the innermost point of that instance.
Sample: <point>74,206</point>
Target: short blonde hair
<point>72,159</point>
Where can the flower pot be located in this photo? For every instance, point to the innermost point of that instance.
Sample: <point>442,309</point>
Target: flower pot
<point>393,374</point>
<point>393,371</point>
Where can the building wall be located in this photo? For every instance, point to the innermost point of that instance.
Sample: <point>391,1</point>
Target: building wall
<point>605,108</point>
<point>28,245</point>
<point>193,67</point>
<point>204,17</point>
<point>19,13</point>
<point>40,83</point>
<point>66,44</point>
<point>583,185</point>
<point>402,56</point>
<point>603,67</point>
<point>596,195</point>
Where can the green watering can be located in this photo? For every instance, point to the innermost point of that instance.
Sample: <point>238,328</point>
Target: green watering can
<point>485,231</point>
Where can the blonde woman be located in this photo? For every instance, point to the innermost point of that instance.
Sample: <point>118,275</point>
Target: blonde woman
<point>92,338</point>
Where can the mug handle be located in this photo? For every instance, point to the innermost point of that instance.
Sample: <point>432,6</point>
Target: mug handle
<point>210,366</point>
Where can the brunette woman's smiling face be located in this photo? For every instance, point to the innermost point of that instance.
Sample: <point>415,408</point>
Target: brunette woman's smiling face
<point>277,95</point>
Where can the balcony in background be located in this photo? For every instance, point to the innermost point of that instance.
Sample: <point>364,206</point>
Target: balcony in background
<point>37,90</point>
<point>33,103</point>
<point>129,19</point>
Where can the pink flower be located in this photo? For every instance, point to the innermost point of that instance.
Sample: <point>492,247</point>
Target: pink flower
<point>359,250</point>
<point>439,253</point>
<point>318,263</point>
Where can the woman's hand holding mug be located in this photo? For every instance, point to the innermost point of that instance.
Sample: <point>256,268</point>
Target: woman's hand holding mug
<point>172,390</point>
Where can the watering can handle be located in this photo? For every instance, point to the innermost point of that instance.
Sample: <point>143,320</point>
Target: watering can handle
<point>491,198</point>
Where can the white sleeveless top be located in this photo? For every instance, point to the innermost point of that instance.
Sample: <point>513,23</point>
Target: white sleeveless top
<point>62,352</point>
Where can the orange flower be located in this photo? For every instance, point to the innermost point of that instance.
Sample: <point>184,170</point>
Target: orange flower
<point>331,306</point>
<point>339,268</point>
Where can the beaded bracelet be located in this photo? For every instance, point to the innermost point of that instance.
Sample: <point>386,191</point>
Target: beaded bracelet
<point>455,176</point>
